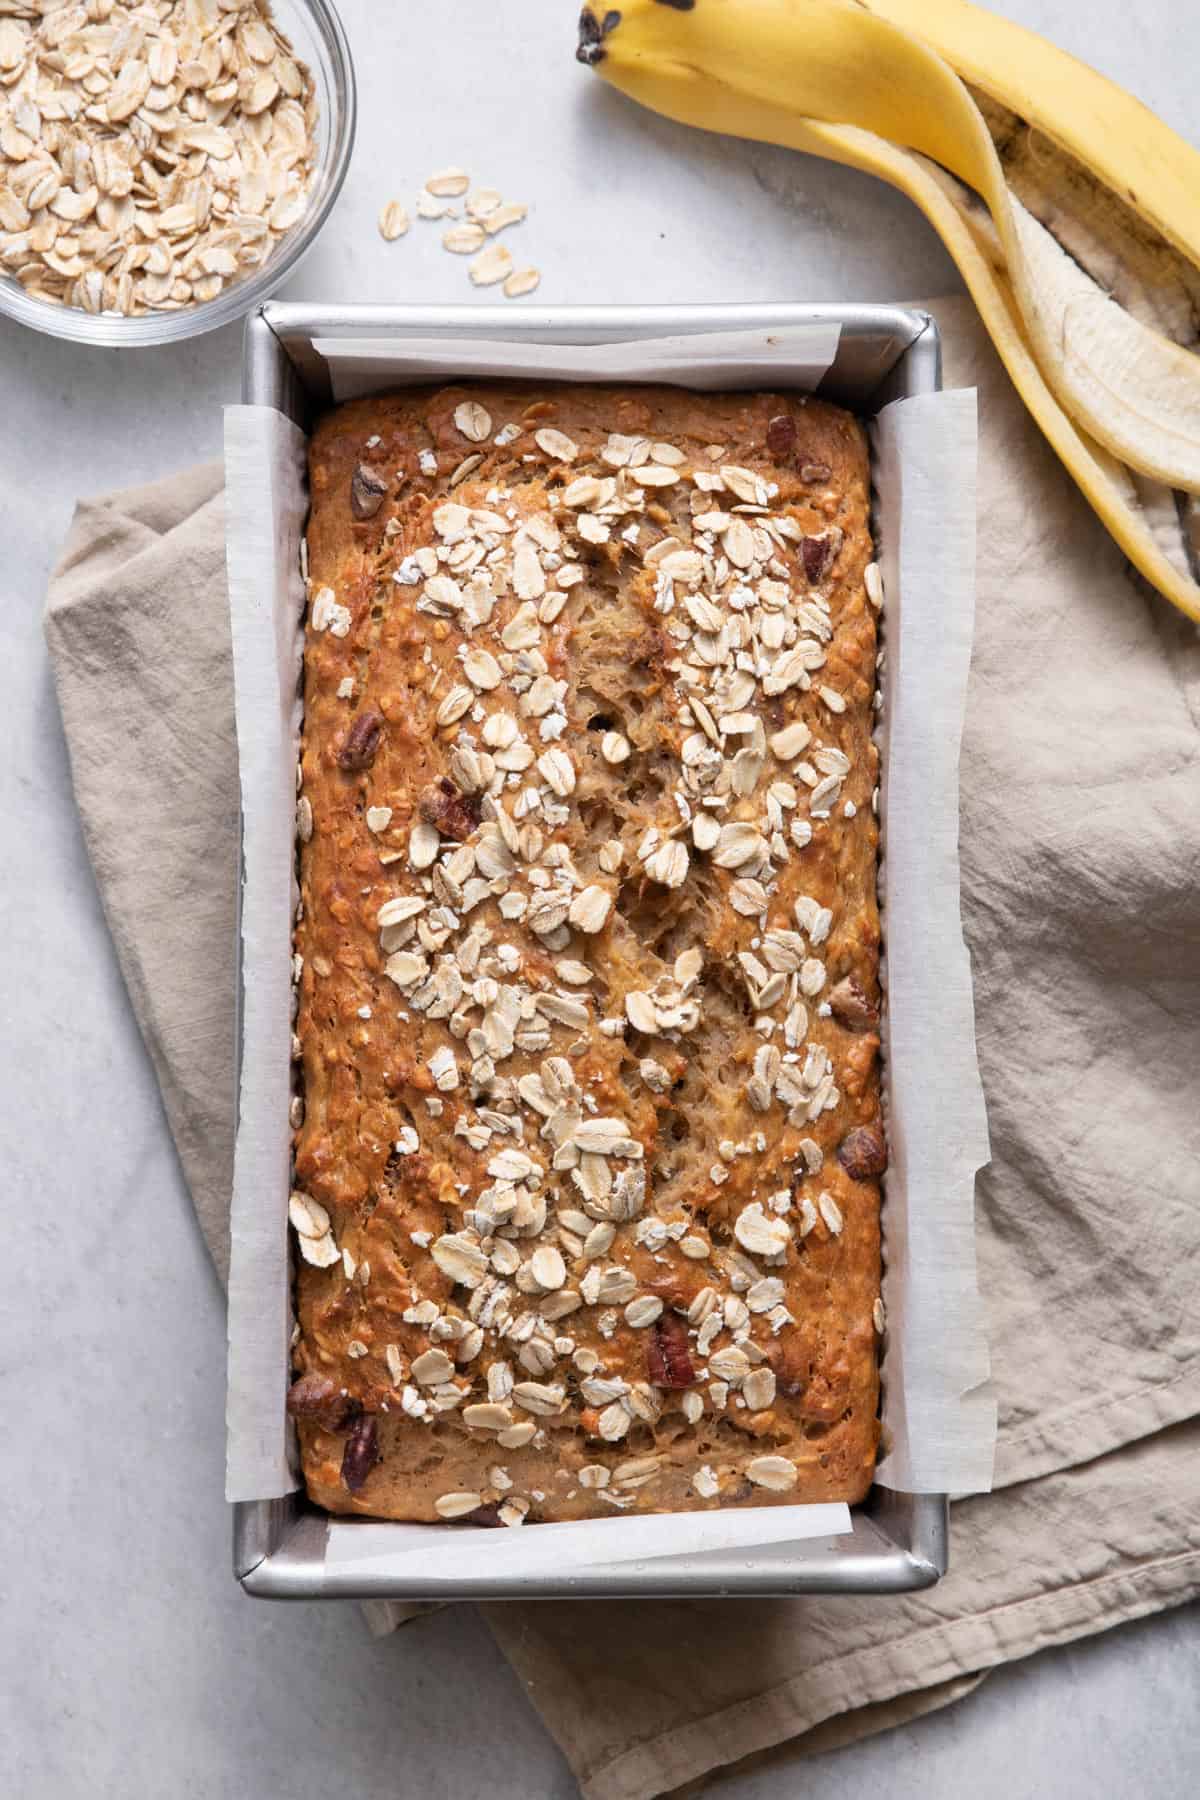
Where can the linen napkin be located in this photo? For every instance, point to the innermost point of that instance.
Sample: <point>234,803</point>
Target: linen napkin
<point>1081,901</point>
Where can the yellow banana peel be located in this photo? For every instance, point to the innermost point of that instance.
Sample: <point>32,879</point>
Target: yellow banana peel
<point>1122,142</point>
<point>825,77</point>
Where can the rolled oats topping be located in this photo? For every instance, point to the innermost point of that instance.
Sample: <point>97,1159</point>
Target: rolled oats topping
<point>587,982</point>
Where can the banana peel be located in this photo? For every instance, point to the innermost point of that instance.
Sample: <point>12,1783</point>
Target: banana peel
<point>1124,144</point>
<point>793,72</point>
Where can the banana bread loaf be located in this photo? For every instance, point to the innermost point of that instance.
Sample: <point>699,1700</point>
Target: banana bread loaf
<point>588,1135</point>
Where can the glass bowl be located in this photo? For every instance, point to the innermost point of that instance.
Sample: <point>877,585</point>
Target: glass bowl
<point>319,40</point>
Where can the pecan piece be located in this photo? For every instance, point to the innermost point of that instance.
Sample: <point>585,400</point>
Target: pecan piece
<point>316,1397</point>
<point>818,553</point>
<point>849,1004</point>
<point>863,1153</point>
<point>361,742</point>
<point>668,1359</point>
<point>361,1453</point>
<point>454,813</point>
<point>487,1514</point>
<point>368,489</point>
<point>781,434</point>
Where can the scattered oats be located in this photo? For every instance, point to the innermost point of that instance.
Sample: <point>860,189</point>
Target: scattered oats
<point>558,771</point>
<point>485,1415</point>
<point>529,581</point>
<point>423,844</point>
<point>456,1506</point>
<point>542,1398</point>
<point>668,864</point>
<point>408,1143</point>
<point>456,702</point>
<point>737,541</point>
<point>397,911</point>
<point>704,1481</point>
<point>321,1252</point>
<point>463,240</point>
<point>548,1268</point>
<point>873,582</point>
<point>490,266</point>
<point>521,282</point>
<point>482,670</point>
<point>831,1212</point>
<point>308,1216</point>
<point>775,1472</point>
<point>483,201</point>
<point>466,467</point>
<point>444,1069</point>
<point>730,1364</point>
<point>748,897</point>
<point>614,1423</point>
<point>590,909</point>
<point>378,818</point>
<point>833,700</point>
<point>643,1310</point>
<point>762,1295</point>
<point>656,1078</point>
<point>327,615</point>
<point>393,221</point>
<point>812,976</point>
<point>641,1012</point>
<point>475,423</point>
<point>615,747</point>
<point>758,1389</point>
<point>459,1258</point>
<point>760,1233</point>
<point>500,217</point>
<point>518,1435</point>
<point>878,1316</point>
<point>556,444</point>
<point>431,1367</point>
<point>791,741</point>
<point>448,184</point>
<point>738,844</point>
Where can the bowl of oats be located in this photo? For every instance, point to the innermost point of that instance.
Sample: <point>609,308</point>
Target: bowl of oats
<point>164,164</point>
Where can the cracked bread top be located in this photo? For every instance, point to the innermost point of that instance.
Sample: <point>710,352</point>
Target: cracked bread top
<point>588,1138</point>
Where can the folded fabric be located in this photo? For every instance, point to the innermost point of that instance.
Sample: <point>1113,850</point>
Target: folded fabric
<point>1081,898</point>
<point>645,1697</point>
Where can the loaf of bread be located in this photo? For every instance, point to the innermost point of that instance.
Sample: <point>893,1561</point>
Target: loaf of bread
<point>588,1130</point>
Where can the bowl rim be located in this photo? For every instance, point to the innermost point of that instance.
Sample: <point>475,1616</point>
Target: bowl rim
<point>118,331</point>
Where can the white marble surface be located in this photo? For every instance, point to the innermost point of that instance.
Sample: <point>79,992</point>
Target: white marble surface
<point>132,1665</point>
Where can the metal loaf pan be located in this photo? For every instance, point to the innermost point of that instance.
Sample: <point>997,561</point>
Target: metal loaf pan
<point>899,1541</point>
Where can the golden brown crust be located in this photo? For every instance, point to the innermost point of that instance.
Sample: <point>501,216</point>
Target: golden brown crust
<point>729,1097</point>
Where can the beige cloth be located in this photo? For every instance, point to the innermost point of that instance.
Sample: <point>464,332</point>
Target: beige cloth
<point>1081,871</point>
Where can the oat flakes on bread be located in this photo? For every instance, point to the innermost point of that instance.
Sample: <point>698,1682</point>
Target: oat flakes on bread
<point>588,1163</point>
